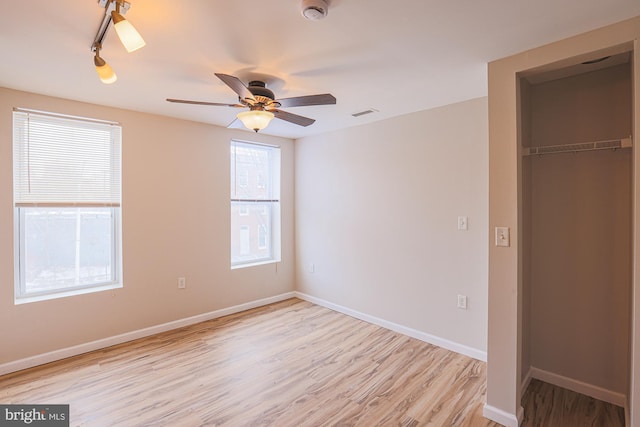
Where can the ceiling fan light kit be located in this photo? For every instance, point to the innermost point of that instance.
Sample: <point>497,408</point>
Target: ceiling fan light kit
<point>255,119</point>
<point>128,35</point>
<point>314,10</point>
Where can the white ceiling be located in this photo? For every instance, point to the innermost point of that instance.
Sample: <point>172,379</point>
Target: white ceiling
<point>394,56</point>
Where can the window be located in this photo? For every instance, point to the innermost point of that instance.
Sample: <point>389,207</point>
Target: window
<point>255,204</point>
<point>243,178</point>
<point>66,205</point>
<point>261,180</point>
<point>245,240</point>
<point>262,236</point>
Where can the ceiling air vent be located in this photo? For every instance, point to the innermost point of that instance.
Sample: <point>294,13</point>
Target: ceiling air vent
<point>362,113</point>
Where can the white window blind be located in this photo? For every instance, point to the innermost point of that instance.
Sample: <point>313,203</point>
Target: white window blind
<point>65,161</point>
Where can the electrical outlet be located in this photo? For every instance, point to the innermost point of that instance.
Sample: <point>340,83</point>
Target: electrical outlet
<point>462,302</point>
<point>182,282</point>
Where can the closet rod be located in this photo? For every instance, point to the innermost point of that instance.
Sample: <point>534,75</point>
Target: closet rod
<point>611,144</point>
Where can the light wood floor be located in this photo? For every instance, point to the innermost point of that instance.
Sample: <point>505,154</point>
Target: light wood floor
<point>547,405</point>
<point>288,364</point>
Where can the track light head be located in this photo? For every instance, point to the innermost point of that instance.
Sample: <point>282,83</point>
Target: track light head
<point>105,72</point>
<point>128,35</point>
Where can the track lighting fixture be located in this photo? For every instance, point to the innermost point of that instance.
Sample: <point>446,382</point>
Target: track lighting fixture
<point>105,72</point>
<point>130,38</point>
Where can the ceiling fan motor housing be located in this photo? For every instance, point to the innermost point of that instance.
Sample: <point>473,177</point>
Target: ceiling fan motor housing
<point>258,88</point>
<point>314,10</point>
<point>263,97</point>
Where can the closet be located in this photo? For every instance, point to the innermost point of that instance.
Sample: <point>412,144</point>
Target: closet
<point>575,127</point>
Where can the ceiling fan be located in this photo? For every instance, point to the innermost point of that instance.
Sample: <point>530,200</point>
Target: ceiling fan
<point>262,103</point>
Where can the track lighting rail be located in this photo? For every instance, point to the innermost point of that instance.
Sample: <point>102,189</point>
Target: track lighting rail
<point>109,6</point>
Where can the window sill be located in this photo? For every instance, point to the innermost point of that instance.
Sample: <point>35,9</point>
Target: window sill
<point>254,264</point>
<point>64,294</point>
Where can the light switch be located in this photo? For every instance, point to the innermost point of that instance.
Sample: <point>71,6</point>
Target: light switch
<point>462,223</point>
<point>502,236</point>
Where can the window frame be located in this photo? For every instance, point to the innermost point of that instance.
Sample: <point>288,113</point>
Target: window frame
<point>20,210</point>
<point>270,204</point>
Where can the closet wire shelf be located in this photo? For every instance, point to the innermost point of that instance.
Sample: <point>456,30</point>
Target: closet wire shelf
<point>612,144</point>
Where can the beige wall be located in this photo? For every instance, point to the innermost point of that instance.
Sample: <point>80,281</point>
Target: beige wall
<point>175,223</point>
<point>593,106</point>
<point>376,214</point>
<point>580,283</point>
<point>505,264</point>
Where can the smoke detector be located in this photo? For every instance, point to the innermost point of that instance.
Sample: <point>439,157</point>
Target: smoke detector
<point>314,10</point>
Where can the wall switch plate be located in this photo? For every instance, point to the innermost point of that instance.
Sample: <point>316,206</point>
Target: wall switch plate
<point>312,268</point>
<point>502,236</point>
<point>463,223</point>
<point>182,282</point>
<point>462,302</point>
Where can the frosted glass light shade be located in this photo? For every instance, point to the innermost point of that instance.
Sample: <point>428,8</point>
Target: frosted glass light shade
<point>104,70</point>
<point>256,120</point>
<point>128,35</point>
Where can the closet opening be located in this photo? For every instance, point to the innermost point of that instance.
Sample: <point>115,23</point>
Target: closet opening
<point>576,152</point>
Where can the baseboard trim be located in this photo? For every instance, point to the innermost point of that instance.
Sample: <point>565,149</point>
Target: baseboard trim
<point>525,383</point>
<point>413,333</point>
<point>502,417</point>
<point>596,392</point>
<point>55,355</point>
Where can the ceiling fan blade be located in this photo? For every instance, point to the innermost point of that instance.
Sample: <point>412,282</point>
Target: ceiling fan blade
<point>184,101</point>
<point>235,84</point>
<point>301,101</point>
<point>293,118</point>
